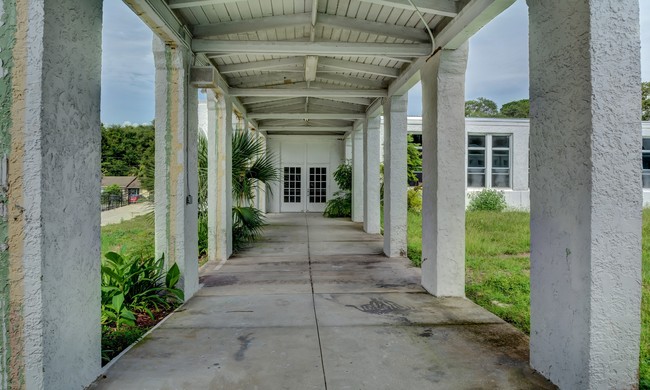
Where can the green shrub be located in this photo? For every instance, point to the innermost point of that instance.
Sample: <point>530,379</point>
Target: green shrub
<point>487,200</point>
<point>136,284</point>
<point>340,205</point>
<point>113,189</point>
<point>203,234</point>
<point>247,226</point>
<point>114,341</point>
<point>414,199</point>
<point>343,176</point>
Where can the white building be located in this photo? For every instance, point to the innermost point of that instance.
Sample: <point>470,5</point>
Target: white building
<point>497,154</point>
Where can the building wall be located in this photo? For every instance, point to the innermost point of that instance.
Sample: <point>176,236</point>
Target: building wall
<point>645,130</point>
<point>518,195</point>
<point>303,150</point>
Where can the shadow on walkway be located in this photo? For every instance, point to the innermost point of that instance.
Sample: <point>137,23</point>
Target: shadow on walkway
<point>315,305</point>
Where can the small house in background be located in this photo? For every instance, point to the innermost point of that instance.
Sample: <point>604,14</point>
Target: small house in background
<point>130,185</point>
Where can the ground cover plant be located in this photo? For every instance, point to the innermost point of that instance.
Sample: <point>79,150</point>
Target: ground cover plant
<point>498,269</point>
<point>137,290</point>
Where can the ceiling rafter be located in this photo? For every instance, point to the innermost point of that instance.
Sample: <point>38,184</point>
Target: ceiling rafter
<point>308,92</point>
<point>437,7</point>
<point>311,48</point>
<point>349,66</point>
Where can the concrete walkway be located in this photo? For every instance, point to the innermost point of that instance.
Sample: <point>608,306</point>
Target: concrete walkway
<point>125,213</point>
<point>316,306</point>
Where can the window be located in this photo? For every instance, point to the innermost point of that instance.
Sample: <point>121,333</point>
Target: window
<point>292,184</point>
<point>501,161</point>
<point>488,161</point>
<point>476,161</point>
<point>318,185</point>
<point>645,156</point>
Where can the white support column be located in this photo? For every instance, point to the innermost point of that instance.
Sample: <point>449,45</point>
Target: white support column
<point>50,154</point>
<point>395,124</point>
<point>357,175</point>
<point>222,214</point>
<point>443,168</point>
<point>213,181</point>
<point>176,184</point>
<point>371,204</point>
<point>585,187</point>
<point>261,189</point>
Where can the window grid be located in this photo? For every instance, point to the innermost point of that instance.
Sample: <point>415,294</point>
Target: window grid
<point>489,153</point>
<point>292,184</point>
<point>317,185</point>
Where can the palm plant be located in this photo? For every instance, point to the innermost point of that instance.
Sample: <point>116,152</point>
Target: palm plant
<point>252,168</point>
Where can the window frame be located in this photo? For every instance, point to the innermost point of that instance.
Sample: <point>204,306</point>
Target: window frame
<point>488,149</point>
<point>644,172</point>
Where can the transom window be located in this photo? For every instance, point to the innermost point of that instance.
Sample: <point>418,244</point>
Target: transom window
<point>488,160</point>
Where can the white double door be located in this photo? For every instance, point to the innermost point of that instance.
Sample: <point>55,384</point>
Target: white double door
<point>304,187</point>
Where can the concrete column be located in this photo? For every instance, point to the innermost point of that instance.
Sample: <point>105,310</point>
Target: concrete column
<point>213,189</point>
<point>395,123</point>
<point>261,189</point>
<point>176,185</point>
<point>357,175</point>
<point>221,213</point>
<point>50,154</point>
<point>585,192</point>
<point>371,203</point>
<point>443,169</point>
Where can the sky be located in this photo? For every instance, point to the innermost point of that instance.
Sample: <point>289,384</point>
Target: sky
<point>497,67</point>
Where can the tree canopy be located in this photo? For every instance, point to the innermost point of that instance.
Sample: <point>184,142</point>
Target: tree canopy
<point>129,151</point>
<point>645,101</point>
<point>481,108</point>
<point>516,109</point>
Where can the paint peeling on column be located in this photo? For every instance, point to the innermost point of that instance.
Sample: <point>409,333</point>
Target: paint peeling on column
<point>12,115</point>
<point>7,43</point>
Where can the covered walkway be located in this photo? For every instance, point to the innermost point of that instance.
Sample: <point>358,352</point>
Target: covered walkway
<point>316,305</point>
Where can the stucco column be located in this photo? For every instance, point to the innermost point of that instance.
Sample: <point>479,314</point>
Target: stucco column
<point>176,185</point>
<point>443,169</point>
<point>220,189</point>
<point>213,190</point>
<point>395,124</point>
<point>585,187</point>
<point>50,154</point>
<point>261,189</point>
<point>371,203</point>
<point>357,175</point>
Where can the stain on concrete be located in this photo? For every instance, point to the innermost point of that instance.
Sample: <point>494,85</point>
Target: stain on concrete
<point>244,343</point>
<point>382,306</point>
<point>218,280</point>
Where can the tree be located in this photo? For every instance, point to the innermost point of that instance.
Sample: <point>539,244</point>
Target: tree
<point>129,151</point>
<point>516,109</point>
<point>413,160</point>
<point>481,108</point>
<point>645,101</point>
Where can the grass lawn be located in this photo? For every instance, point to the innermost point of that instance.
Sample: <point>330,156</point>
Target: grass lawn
<point>498,269</point>
<point>136,234</point>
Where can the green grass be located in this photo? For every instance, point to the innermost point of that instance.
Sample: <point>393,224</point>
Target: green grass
<point>498,269</point>
<point>129,236</point>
